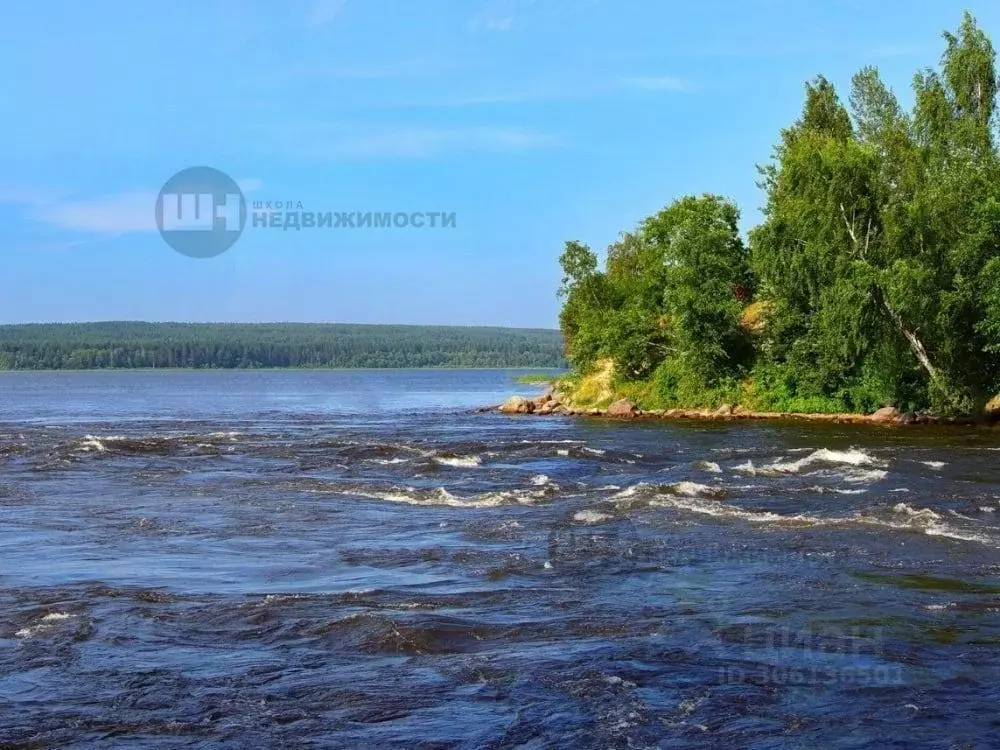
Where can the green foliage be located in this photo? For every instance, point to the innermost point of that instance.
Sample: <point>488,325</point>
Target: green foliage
<point>878,260</point>
<point>705,273</point>
<point>670,288</point>
<point>209,345</point>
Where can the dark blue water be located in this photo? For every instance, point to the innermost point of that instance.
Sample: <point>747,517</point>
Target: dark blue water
<point>354,559</point>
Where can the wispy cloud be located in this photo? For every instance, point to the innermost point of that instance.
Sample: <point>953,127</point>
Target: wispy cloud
<point>115,213</point>
<point>250,184</point>
<point>336,142</point>
<point>553,91</point>
<point>492,23</point>
<point>322,12</point>
<point>495,15</point>
<point>118,213</point>
<point>505,15</point>
<point>655,83</point>
<point>414,68</point>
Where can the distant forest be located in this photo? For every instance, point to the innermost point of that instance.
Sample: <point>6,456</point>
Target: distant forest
<point>80,346</point>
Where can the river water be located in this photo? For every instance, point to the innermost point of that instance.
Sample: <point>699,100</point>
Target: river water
<point>355,559</point>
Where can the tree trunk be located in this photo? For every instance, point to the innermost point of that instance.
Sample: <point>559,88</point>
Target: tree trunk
<point>915,343</point>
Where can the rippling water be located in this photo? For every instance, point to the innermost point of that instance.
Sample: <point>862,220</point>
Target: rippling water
<point>352,559</point>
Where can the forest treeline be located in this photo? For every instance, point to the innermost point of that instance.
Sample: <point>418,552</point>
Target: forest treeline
<point>874,278</point>
<point>210,345</point>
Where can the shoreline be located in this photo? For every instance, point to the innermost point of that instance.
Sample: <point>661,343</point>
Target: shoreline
<point>550,404</point>
<point>515,368</point>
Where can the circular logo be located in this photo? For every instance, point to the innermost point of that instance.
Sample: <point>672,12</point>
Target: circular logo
<point>201,212</point>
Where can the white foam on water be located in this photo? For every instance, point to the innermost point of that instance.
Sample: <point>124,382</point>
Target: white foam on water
<point>930,523</point>
<point>923,514</point>
<point>628,492</point>
<point>956,514</point>
<point>459,462</point>
<point>851,457</point>
<point>856,466</point>
<point>836,490</point>
<point>43,624</point>
<point>540,480</point>
<point>593,451</point>
<point>710,466</point>
<point>934,464</point>
<point>550,442</point>
<point>441,497</point>
<point>89,443</point>
<point>92,443</point>
<point>864,476</point>
<point>282,598</point>
<point>562,452</point>
<point>903,517</point>
<point>388,461</point>
<point>693,489</point>
<point>590,516</point>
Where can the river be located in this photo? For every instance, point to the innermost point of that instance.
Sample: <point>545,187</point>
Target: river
<point>356,559</point>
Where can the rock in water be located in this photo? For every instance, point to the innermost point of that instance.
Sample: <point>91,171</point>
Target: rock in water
<point>517,405</point>
<point>886,414</point>
<point>622,408</point>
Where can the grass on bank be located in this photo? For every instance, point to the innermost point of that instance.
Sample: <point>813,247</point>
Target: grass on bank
<point>538,378</point>
<point>764,391</point>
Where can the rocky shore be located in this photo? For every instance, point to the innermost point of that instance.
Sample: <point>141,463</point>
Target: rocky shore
<point>552,403</point>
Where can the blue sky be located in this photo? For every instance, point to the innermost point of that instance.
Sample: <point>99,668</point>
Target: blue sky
<point>535,121</point>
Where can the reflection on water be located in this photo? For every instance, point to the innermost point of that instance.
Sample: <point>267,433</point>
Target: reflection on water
<point>206,558</point>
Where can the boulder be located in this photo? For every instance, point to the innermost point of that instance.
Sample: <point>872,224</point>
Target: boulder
<point>622,408</point>
<point>886,414</point>
<point>517,405</point>
<point>992,408</point>
<point>726,410</point>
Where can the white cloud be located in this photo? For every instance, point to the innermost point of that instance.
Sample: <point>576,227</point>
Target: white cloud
<point>412,68</point>
<point>655,83</point>
<point>501,23</point>
<point>116,213</point>
<point>427,142</point>
<point>324,11</point>
<point>335,142</point>
<point>497,15</point>
<point>250,184</point>
<point>121,212</point>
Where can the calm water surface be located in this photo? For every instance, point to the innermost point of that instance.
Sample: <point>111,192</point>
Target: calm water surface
<point>353,559</point>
